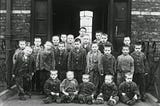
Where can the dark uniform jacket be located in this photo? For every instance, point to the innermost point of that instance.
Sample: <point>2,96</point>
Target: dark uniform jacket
<point>87,88</point>
<point>46,60</point>
<point>109,64</point>
<point>108,90</point>
<point>77,60</point>
<point>87,47</point>
<point>61,60</point>
<point>52,85</point>
<point>139,62</point>
<point>130,88</point>
<point>23,66</point>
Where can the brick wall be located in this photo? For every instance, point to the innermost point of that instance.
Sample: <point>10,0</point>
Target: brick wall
<point>2,17</point>
<point>146,19</point>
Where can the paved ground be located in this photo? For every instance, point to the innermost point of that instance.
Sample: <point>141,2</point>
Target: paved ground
<point>37,101</point>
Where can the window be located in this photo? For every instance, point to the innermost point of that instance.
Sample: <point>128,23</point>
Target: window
<point>86,21</point>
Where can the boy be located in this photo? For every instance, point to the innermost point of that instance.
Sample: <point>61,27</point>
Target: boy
<point>139,68</point>
<point>22,45</point>
<point>69,88</point>
<point>86,90</point>
<point>45,63</point>
<point>128,90</point>
<point>108,92</point>
<point>94,66</point>
<point>125,64</point>
<point>52,88</point>
<point>70,42</point>
<point>61,59</point>
<point>86,43</point>
<point>23,70</point>
<point>36,49</point>
<point>77,60</point>
<point>64,38</point>
<point>108,61</point>
<point>98,37</point>
<point>104,41</point>
<point>55,41</point>
<point>82,33</point>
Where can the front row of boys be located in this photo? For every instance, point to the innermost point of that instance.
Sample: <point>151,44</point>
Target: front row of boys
<point>94,67</point>
<point>69,91</point>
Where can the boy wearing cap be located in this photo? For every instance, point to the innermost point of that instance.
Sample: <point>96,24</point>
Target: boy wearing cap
<point>52,88</point>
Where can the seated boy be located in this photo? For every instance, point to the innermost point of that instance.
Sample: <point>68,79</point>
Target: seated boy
<point>69,88</point>
<point>128,90</point>
<point>52,88</point>
<point>108,92</point>
<point>86,90</point>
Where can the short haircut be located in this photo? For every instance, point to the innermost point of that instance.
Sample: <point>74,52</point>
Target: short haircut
<point>94,43</point>
<point>127,37</point>
<point>104,34</point>
<point>70,35</point>
<point>55,36</point>
<point>128,74</point>
<point>109,76</point>
<point>108,45</point>
<point>98,31</point>
<point>70,72</point>
<point>56,71</point>
<point>86,75</point>
<point>126,46</point>
<point>83,28</point>
<point>48,42</point>
<point>77,40</point>
<point>62,43</point>
<point>37,38</point>
<point>22,41</point>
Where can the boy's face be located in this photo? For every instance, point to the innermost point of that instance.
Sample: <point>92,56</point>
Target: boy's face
<point>107,50</point>
<point>128,78</point>
<point>108,79</point>
<point>104,38</point>
<point>138,48</point>
<point>127,41</point>
<point>55,40</point>
<point>48,45</point>
<point>37,42</point>
<point>70,39</point>
<point>61,46</point>
<point>27,51</point>
<point>98,36</point>
<point>63,38</point>
<point>70,75</point>
<point>53,75</point>
<point>125,50</point>
<point>85,79</point>
<point>82,31</point>
<point>22,44</point>
<point>94,47</point>
<point>86,39</point>
<point>77,44</point>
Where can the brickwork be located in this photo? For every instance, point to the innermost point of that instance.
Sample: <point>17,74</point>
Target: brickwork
<point>146,19</point>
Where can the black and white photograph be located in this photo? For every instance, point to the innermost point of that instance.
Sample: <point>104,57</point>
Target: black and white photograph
<point>79,52</point>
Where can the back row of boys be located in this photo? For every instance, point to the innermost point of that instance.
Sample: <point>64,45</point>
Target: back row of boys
<point>80,57</point>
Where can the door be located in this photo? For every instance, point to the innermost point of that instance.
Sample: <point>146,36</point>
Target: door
<point>41,19</point>
<point>121,22</point>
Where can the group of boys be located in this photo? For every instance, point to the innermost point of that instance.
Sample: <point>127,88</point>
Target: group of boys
<point>76,70</point>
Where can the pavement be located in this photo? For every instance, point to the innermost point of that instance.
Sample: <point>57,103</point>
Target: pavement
<point>36,100</point>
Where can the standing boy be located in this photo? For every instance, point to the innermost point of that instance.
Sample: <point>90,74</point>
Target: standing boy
<point>55,41</point>
<point>86,43</point>
<point>70,42</point>
<point>125,64</point>
<point>45,63</point>
<point>128,90</point>
<point>22,45</point>
<point>69,88</point>
<point>23,70</point>
<point>139,68</point>
<point>94,66</point>
<point>86,90</point>
<point>52,88</point>
<point>61,59</point>
<point>98,37</point>
<point>77,60</point>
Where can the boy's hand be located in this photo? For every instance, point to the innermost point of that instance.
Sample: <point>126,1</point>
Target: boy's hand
<point>66,93</point>
<point>52,93</point>
<point>135,97</point>
<point>123,94</point>
<point>102,74</point>
<point>13,75</point>
<point>57,94</point>
<point>75,93</point>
